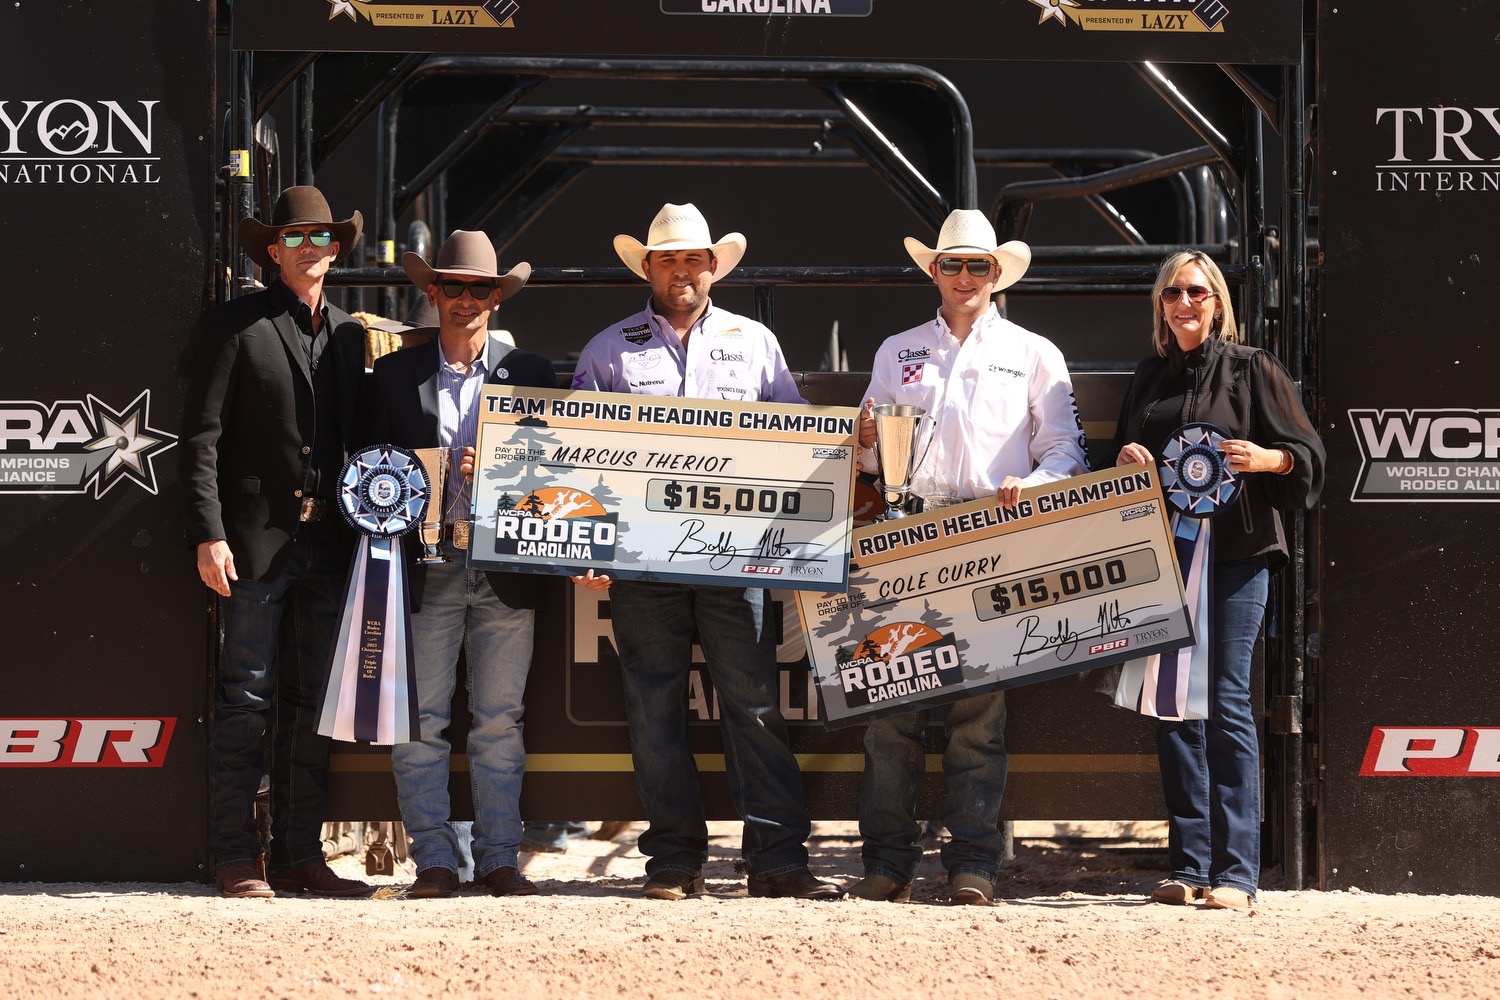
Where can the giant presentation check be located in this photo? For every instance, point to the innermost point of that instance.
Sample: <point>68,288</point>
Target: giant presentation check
<point>1080,573</point>
<point>663,488</point>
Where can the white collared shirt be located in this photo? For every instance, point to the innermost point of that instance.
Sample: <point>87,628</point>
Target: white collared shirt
<point>728,356</point>
<point>1001,400</point>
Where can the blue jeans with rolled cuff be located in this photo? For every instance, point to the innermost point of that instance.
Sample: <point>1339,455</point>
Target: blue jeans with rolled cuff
<point>277,634</point>
<point>655,626</point>
<point>1210,769</point>
<point>975,767</point>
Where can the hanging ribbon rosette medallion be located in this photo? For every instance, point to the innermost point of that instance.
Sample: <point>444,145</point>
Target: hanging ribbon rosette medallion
<point>1198,484</point>
<point>369,691</point>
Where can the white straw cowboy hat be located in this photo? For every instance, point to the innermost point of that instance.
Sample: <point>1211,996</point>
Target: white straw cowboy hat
<point>302,205</point>
<point>465,255</point>
<point>681,227</point>
<point>967,233</point>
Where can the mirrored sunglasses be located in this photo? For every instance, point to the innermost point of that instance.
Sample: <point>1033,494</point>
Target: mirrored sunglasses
<point>952,265</point>
<point>318,237</point>
<point>1195,293</point>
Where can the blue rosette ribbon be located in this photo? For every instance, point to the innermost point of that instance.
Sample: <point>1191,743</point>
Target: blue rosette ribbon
<point>369,689</point>
<point>1198,484</point>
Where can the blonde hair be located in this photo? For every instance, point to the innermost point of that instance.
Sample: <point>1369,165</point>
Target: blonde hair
<point>1224,325</point>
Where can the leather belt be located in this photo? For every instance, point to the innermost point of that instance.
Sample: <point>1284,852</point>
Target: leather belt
<point>314,509</point>
<point>457,532</point>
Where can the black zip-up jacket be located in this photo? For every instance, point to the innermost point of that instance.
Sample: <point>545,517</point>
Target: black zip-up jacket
<point>1245,391</point>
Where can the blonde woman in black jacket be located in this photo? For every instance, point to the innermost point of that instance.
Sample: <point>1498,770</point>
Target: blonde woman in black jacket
<point>1200,373</point>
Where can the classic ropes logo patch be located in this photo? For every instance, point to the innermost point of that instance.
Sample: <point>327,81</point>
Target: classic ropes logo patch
<point>897,660</point>
<point>66,445</point>
<point>555,523</point>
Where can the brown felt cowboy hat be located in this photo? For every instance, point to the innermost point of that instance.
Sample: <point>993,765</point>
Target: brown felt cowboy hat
<point>303,205</point>
<point>681,227</point>
<point>465,255</point>
<point>967,233</point>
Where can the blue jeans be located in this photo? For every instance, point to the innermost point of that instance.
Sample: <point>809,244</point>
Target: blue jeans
<point>277,634</point>
<point>655,627</point>
<point>1210,770</point>
<point>459,607</point>
<point>975,766</point>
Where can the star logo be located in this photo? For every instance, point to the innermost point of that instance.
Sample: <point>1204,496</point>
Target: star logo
<point>1050,9</point>
<point>127,443</point>
<point>351,8</point>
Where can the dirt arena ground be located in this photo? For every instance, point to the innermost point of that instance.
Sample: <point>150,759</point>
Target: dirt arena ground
<point>1074,923</point>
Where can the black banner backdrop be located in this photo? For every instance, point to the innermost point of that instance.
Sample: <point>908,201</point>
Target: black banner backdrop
<point>106,189</point>
<point>1205,31</point>
<point>1411,180</point>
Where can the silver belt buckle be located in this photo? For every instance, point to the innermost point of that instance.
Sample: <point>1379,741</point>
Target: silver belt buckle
<point>461,534</point>
<point>312,509</point>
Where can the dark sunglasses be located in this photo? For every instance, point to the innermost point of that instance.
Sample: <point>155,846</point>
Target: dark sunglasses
<point>319,238</point>
<point>479,291</point>
<point>1195,293</point>
<point>952,265</point>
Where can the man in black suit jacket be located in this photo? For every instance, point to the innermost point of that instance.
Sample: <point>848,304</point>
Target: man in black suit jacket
<point>428,397</point>
<point>268,419</point>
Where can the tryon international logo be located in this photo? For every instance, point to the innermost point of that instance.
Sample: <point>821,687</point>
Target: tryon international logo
<point>488,14</point>
<point>1415,456</point>
<point>1432,752</point>
<point>1129,15</point>
<point>1437,150</point>
<point>66,742</point>
<point>71,141</point>
<point>67,445</point>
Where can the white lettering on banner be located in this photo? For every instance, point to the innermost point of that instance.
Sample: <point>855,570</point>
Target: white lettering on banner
<point>63,742</point>
<point>1405,454</point>
<point>68,141</point>
<point>1430,146</point>
<point>1432,752</point>
<point>798,697</point>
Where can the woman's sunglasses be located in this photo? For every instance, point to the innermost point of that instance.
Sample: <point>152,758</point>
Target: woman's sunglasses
<point>318,238</point>
<point>1195,293</point>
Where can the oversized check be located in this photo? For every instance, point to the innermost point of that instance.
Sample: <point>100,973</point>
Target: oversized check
<point>663,488</point>
<point>1080,573</point>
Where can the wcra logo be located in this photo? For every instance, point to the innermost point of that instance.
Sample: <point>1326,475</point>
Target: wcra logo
<point>1426,455</point>
<point>63,446</point>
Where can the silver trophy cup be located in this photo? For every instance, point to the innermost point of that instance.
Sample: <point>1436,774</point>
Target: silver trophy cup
<point>897,427</point>
<point>435,460</point>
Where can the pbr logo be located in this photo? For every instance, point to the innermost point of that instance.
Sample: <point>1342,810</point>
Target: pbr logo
<point>1418,456</point>
<point>1432,752</point>
<point>70,141</point>
<point>897,660</point>
<point>63,742</point>
<point>555,523</point>
<point>67,445</point>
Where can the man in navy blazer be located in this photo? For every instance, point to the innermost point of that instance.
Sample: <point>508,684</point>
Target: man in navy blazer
<point>428,397</point>
<point>268,420</point>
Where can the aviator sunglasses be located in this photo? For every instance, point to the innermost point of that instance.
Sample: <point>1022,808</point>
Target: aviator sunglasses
<point>478,290</point>
<point>952,265</point>
<point>319,238</point>
<point>1195,293</point>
